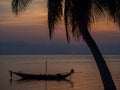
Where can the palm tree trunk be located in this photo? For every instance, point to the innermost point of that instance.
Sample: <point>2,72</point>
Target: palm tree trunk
<point>101,64</point>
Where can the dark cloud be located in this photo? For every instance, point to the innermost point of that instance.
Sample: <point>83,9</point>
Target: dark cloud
<point>25,48</point>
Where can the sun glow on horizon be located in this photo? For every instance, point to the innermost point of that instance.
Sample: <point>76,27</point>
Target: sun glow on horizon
<point>104,26</point>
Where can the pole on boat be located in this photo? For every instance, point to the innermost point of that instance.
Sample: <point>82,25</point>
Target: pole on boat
<point>46,67</point>
<point>10,73</point>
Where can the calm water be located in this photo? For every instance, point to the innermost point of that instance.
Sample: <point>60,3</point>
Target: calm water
<point>86,76</point>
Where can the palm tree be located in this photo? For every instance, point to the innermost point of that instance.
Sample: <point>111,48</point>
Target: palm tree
<point>78,15</point>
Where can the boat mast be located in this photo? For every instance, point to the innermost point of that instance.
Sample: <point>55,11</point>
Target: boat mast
<point>46,67</point>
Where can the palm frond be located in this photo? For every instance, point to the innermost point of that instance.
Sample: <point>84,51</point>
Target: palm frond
<point>114,11</point>
<point>75,11</point>
<point>112,7</point>
<point>19,5</point>
<point>54,14</point>
<point>67,17</point>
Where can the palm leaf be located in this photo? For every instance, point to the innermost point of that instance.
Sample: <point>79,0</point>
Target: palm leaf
<point>82,12</point>
<point>54,13</point>
<point>112,7</point>
<point>19,5</point>
<point>77,11</point>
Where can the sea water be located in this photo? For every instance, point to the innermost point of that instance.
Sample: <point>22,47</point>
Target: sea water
<point>86,76</point>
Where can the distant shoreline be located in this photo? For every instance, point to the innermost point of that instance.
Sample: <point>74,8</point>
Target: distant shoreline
<point>59,54</point>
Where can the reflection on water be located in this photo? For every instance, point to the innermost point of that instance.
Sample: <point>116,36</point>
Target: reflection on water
<point>42,84</point>
<point>86,76</point>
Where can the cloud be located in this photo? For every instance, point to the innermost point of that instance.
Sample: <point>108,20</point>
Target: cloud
<point>27,48</point>
<point>107,37</point>
<point>35,15</point>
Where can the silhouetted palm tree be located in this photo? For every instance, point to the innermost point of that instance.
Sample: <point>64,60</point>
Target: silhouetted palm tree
<point>78,15</point>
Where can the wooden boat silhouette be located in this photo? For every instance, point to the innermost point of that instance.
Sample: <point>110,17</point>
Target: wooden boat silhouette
<point>58,76</point>
<point>46,76</point>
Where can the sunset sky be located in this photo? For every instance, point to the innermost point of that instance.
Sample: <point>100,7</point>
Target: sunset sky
<point>28,33</point>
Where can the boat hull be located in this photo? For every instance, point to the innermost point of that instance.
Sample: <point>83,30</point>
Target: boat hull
<point>41,76</point>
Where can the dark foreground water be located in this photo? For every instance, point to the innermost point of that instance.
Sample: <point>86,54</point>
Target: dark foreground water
<point>86,76</point>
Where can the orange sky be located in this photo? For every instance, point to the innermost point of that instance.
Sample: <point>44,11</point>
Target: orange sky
<point>36,15</point>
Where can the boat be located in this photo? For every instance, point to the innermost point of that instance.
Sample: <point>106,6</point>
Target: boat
<point>58,76</point>
<point>42,76</point>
